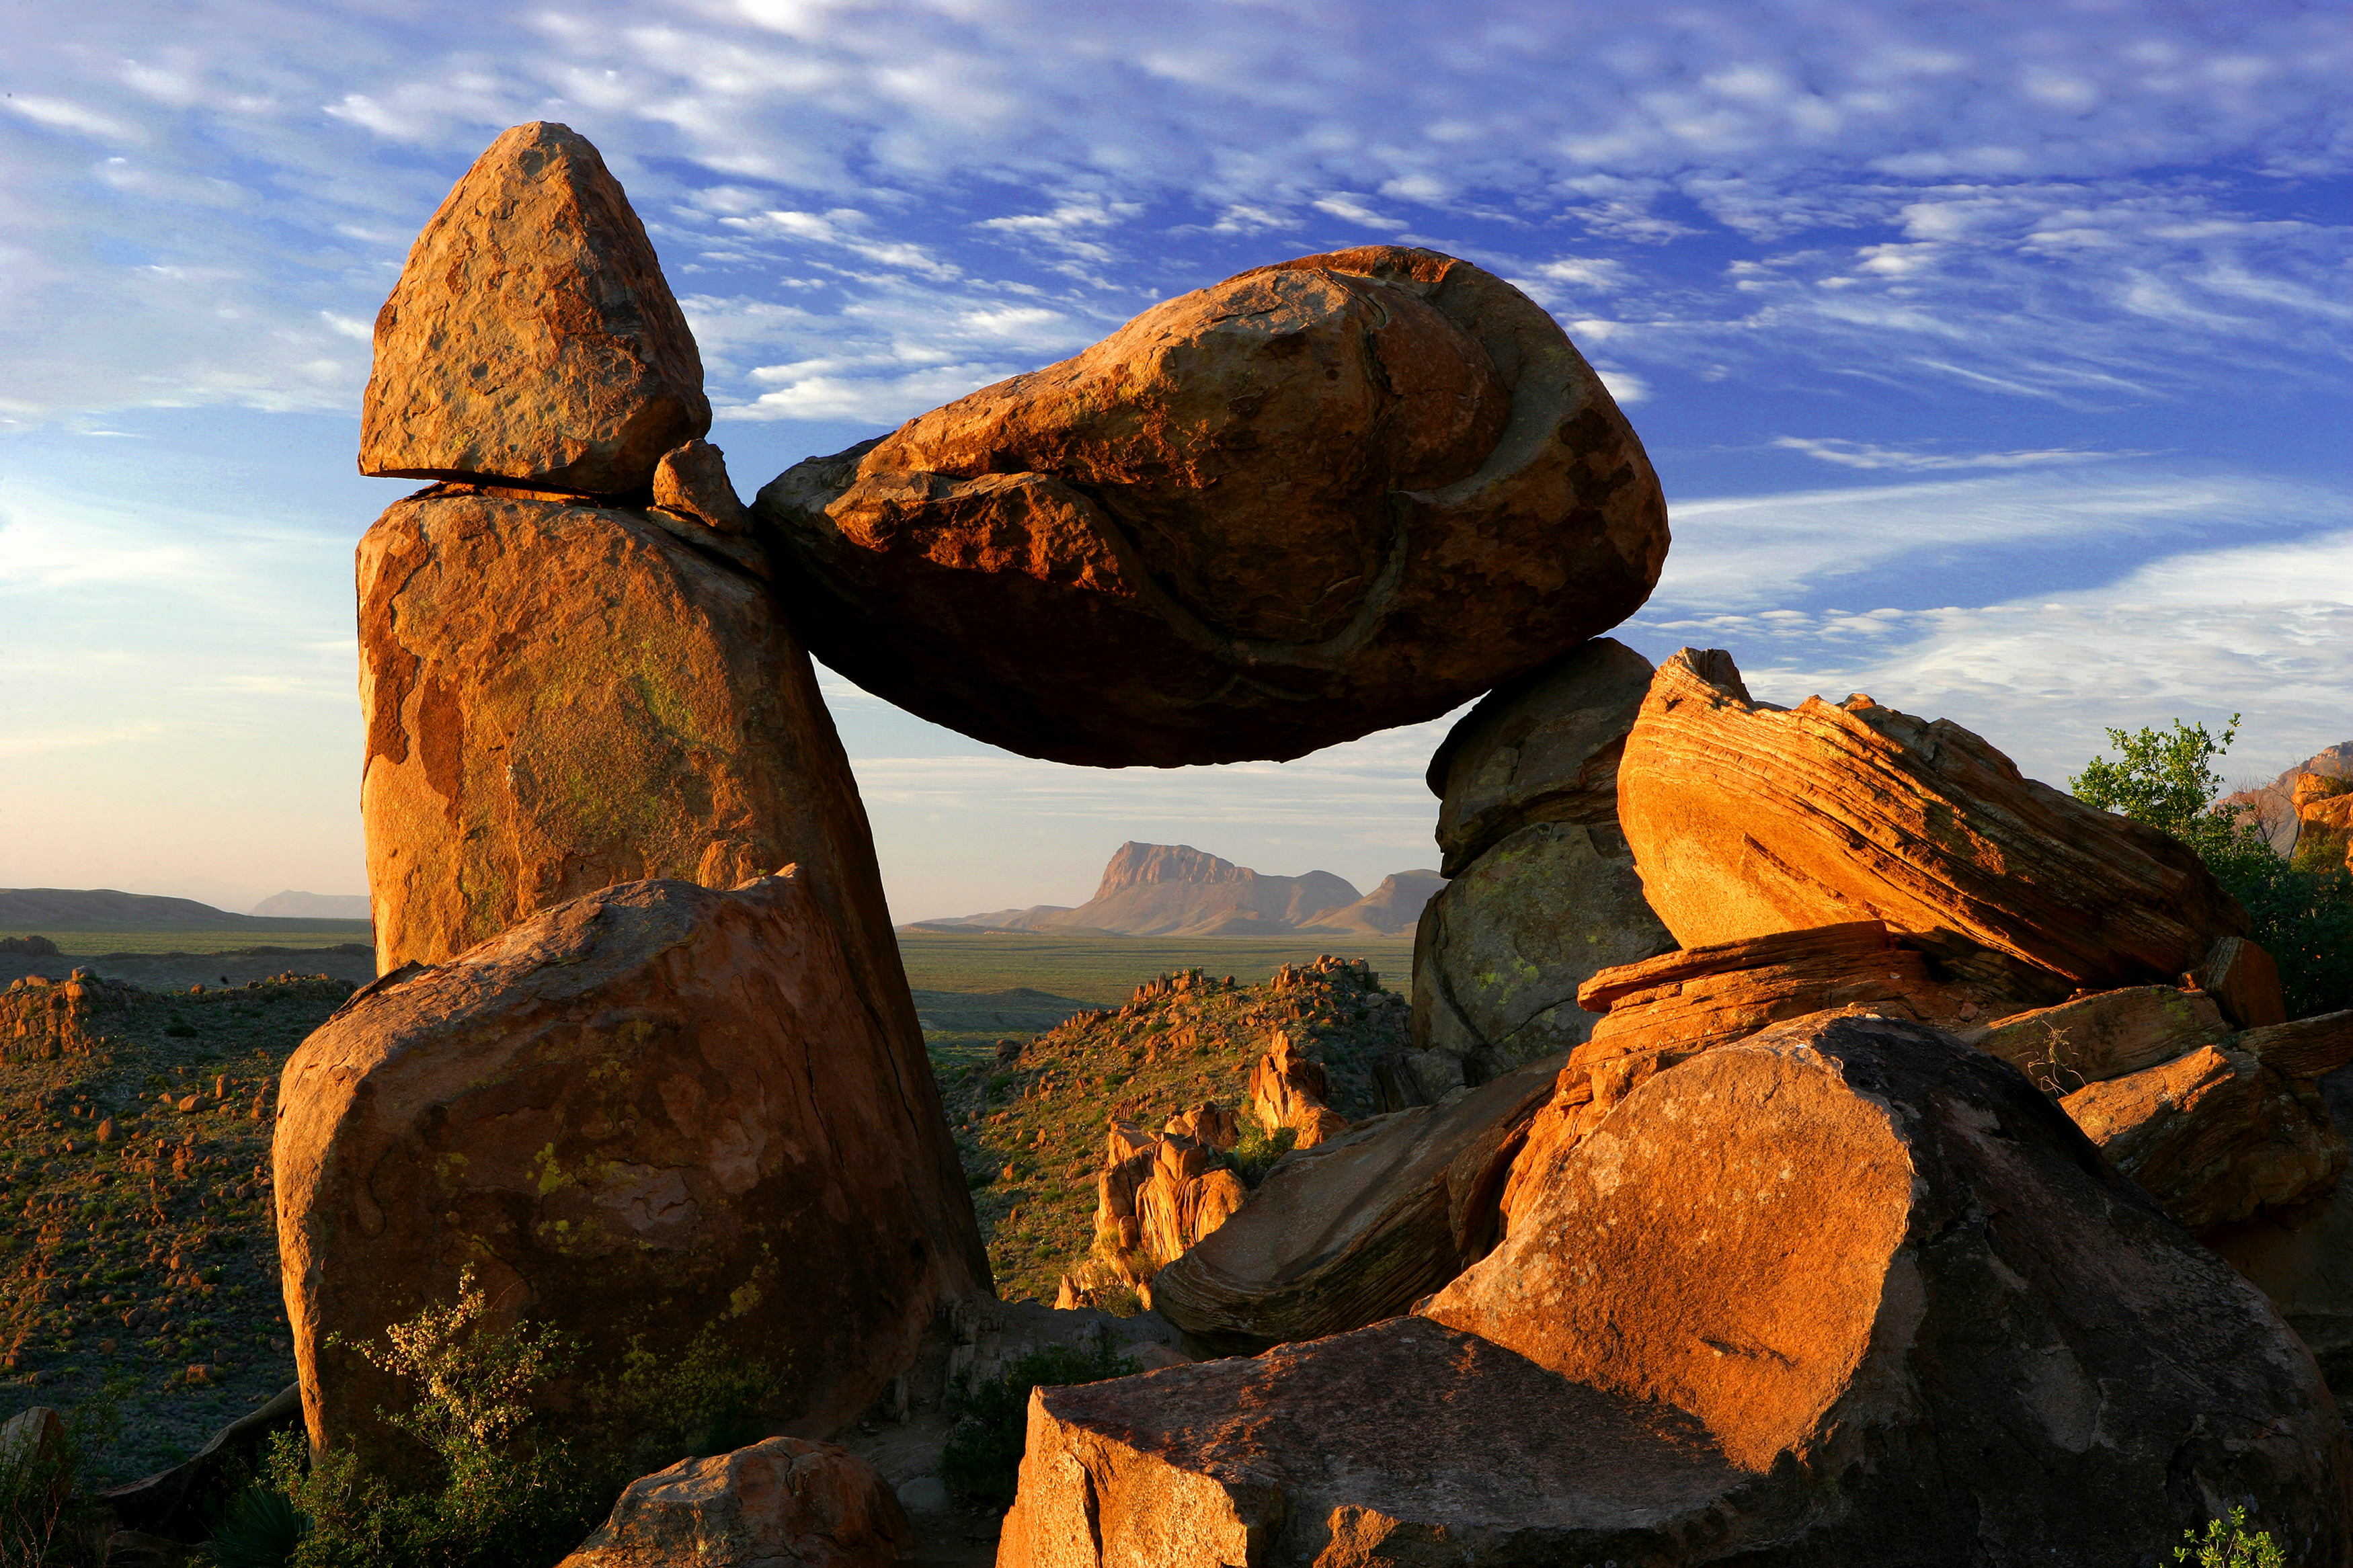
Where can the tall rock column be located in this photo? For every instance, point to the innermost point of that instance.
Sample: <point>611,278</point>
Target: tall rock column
<point>1542,893</point>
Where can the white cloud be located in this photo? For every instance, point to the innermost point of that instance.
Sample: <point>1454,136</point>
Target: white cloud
<point>1865,455</point>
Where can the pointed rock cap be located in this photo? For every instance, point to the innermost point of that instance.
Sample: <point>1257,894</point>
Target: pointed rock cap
<point>532,338</point>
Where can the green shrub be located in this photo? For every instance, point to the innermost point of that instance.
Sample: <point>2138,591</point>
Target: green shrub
<point>2300,912</point>
<point>2230,1546</point>
<point>1256,1150</point>
<point>982,1459</point>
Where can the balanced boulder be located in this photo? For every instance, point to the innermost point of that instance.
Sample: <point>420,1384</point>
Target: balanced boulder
<point>1842,1295</point>
<point>657,1112</point>
<point>558,698</point>
<point>1748,819</point>
<point>1357,1228</point>
<point>1317,500</point>
<point>532,338</point>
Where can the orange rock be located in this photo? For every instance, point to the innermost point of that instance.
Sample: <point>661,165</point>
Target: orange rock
<point>658,1110</point>
<point>2108,1034</point>
<point>1288,1089</point>
<point>561,698</point>
<point>691,482</point>
<point>781,1501</point>
<point>2212,1136</point>
<point>2244,981</point>
<point>1843,1293</point>
<point>1314,500</point>
<point>2305,1047</point>
<point>531,337</point>
<point>1703,997</point>
<point>1359,1228</point>
<point>1158,1196</point>
<point>1209,1122</point>
<point>1748,819</point>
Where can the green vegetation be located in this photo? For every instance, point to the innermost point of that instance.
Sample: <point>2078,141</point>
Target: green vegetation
<point>2300,911</point>
<point>2230,1546</point>
<point>290,934</point>
<point>982,1460</point>
<point>1101,971</point>
<point>47,1482</point>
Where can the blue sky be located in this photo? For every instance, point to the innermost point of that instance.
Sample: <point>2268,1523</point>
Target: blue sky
<point>1993,357</point>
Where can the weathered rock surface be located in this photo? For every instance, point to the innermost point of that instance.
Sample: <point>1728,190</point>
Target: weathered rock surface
<point>2212,1136</point>
<point>1156,1196</point>
<point>781,1503</point>
<point>1697,997</point>
<point>1887,1283</point>
<point>2244,983</point>
<point>691,482</point>
<point>531,337</point>
<point>1543,747</point>
<point>561,698</point>
<point>1748,819</point>
<point>2302,1258</point>
<point>1314,500</point>
<point>42,1019</point>
<point>2305,1047</point>
<point>658,1110</point>
<point>1357,1228</point>
<point>1289,1089</point>
<point>1500,954</point>
<point>2107,1035</point>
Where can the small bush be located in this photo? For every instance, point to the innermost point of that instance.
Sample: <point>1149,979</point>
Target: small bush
<point>2230,1546</point>
<point>1256,1150</point>
<point>982,1460</point>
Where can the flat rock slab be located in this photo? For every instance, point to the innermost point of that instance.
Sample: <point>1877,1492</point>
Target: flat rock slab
<point>1748,819</point>
<point>1356,1229</point>
<point>531,337</point>
<point>1317,500</point>
<point>656,1111</point>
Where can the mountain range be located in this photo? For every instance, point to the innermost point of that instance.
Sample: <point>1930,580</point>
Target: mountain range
<point>1175,890</point>
<point>104,909</point>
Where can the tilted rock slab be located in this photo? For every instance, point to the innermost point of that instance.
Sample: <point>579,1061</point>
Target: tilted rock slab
<point>2212,1136</point>
<point>1845,1294</point>
<point>532,337</point>
<point>559,698</point>
<point>1317,500</point>
<point>1748,819</point>
<point>658,1110</point>
<point>1357,1228</point>
<point>2108,1034</point>
<point>781,1503</point>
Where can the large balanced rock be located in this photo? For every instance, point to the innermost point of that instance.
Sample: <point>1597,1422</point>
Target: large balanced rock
<point>1317,500</point>
<point>559,698</point>
<point>1357,1228</point>
<point>658,1110</point>
<point>781,1503</point>
<point>1842,1295</point>
<point>1544,893</point>
<point>1748,819</point>
<point>531,337</point>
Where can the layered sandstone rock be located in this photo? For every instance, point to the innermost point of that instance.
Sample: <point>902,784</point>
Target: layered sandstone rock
<point>1697,997</point>
<point>2107,1035</point>
<point>560,698</point>
<point>2244,983</point>
<point>1359,1228</point>
<point>1288,1091</point>
<point>2212,1136</point>
<point>532,337</point>
<point>781,1503</point>
<point>1543,891</point>
<point>1314,500</point>
<point>657,1111</point>
<point>1846,1293</point>
<point>1748,819</point>
<point>2304,1048</point>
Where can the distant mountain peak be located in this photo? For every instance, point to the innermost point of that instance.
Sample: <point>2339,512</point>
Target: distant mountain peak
<point>1175,890</point>
<point>1135,865</point>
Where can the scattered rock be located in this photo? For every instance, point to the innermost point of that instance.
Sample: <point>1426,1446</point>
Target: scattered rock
<point>2244,981</point>
<point>1289,1089</point>
<point>2108,1034</point>
<point>1206,1123</point>
<point>1317,500</point>
<point>781,1503</point>
<point>498,783</point>
<point>28,946</point>
<point>1158,1196</point>
<point>692,482</point>
<point>657,1109</point>
<point>1748,819</point>
<point>2307,1047</point>
<point>1701,996</point>
<point>532,337</point>
<point>1357,1228</point>
<point>2212,1136</point>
